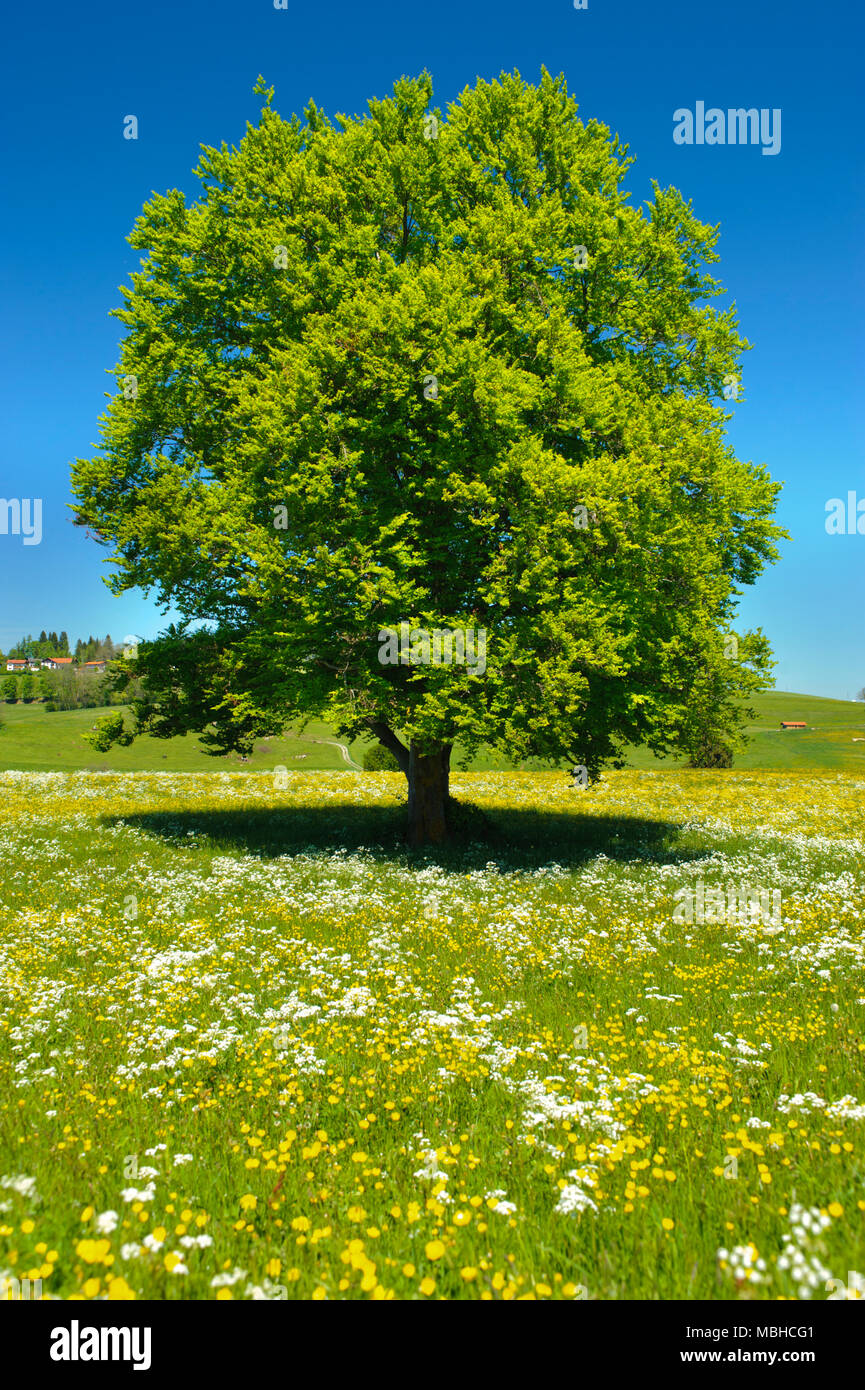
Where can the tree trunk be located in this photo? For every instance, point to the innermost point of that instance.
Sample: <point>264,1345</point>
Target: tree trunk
<point>428,796</point>
<point>428,777</point>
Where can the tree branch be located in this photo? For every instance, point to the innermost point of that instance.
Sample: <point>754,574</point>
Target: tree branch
<point>389,740</point>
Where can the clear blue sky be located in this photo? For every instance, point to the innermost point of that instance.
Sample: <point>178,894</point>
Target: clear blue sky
<point>793,232</point>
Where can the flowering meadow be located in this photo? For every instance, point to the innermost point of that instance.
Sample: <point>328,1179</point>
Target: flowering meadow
<point>252,1048</point>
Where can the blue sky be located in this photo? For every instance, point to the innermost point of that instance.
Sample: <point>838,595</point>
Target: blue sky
<point>792,233</point>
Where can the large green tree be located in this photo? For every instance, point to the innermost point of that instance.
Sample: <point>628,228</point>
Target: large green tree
<point>409,368</point>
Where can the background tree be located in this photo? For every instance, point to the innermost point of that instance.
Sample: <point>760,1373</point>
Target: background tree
<point>10,689</point>
<point>25,688</point>
<point>380,364</point>
<point>713,726</point>
<point>65,689</point>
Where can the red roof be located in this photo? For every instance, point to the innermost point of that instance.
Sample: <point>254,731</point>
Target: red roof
<point>793,724</point>
<point>60,660</point>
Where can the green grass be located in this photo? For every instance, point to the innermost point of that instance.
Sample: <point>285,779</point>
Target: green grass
<point>33,740</point>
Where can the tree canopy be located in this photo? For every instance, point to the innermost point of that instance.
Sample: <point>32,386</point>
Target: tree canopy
<point>434,370</point>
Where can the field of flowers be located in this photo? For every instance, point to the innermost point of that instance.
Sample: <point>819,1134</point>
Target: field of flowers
<point>250,1048</point>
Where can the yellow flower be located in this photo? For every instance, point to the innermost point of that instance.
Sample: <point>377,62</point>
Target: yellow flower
<point>119,1290</point>
<point>427,1286</point>
<point>224,1294</point>
<point>91,1287</point>
<point>93,1251</point>
<point>356,1214</point>
<point>301,1223</point>
<point>408,1271</point>
<point>434,1250</point>
<point>667,1224</point>
<point>27,1227</point>
<point>469,1273</point>
<point>248,1202</point>
<point>273,1268</point>
<point>319,1293</point>
<point>835,1209</point>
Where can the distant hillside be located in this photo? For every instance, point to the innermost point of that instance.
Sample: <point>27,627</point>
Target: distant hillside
<point>827,742</point>
<point>32,738</point>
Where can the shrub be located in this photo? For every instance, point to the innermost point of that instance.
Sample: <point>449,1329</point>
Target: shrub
<point>106,732</point>
<point>379,759</point>
<point>711,753</point>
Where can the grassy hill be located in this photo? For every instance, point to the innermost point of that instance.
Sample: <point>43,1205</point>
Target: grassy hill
<point>826,744</point>
<point>33,740</point>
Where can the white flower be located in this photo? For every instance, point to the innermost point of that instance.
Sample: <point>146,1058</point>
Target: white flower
<point>106,1222</point>
<point>25,1186</point>
<point>182,1158</point>
<point>573,1198</point>
<point>219,1281</point>
<point>266,1291</point>
<point>131,1251</point>
<point>151,1243</point>
<point>132,1194</point>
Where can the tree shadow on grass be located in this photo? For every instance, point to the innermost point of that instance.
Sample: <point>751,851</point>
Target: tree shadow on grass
<point>508,839</point>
